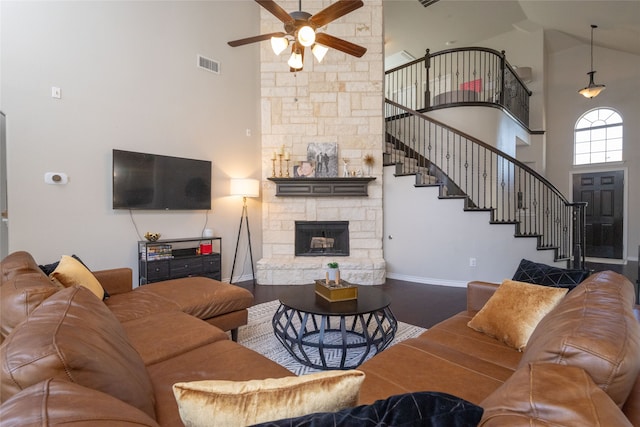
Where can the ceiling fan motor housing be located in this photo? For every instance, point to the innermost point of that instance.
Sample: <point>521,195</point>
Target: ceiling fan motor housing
<point>299,20</point>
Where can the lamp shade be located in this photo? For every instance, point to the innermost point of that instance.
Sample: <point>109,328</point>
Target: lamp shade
<point>245,187</point>
<point>319,51</point>
<point>279,44</point>
<point>306,36</point>
<point>295,61</point>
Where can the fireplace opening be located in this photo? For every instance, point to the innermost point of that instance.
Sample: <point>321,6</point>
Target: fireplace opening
<point>322,238</point>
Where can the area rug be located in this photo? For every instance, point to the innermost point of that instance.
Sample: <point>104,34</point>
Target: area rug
<point>258,335</point>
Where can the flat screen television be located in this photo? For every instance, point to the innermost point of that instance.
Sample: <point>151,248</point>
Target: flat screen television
<point>155,182</point>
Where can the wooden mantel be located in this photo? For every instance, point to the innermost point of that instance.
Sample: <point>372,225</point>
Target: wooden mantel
<point>322,187</point>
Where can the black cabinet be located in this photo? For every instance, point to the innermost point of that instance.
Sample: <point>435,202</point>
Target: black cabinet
<point>172,259</point>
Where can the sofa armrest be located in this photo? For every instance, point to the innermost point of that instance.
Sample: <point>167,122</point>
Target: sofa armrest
<point>478,293</point>
<point>116,280</point>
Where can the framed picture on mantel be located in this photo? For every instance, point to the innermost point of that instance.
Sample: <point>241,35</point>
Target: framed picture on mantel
<point>325,156</point>
<point>306,169</point>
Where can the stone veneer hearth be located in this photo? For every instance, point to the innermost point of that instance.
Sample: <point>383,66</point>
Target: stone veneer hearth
<point>338,101</point>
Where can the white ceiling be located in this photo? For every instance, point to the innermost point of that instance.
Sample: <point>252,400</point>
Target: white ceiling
<point>449,24</point>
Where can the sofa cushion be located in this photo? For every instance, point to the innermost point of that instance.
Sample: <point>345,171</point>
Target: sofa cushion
<point>162,336</point>
<point>593,328</point>
<point>20,295</point>
<point>138,305</point>
<point>60,403</point>
<point>549,394</point>
<point>221,360</point>
<point>419,364</point>
<point>71,272</point>
<point>425,409</point>
<point>546,275</point>
<point>240,403</point>
<point>193,295</point>
<point>73,336</point>
<point>514,310</point>
<point>17,263</point>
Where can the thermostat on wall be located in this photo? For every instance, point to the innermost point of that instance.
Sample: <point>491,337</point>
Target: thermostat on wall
<point>56,178</point>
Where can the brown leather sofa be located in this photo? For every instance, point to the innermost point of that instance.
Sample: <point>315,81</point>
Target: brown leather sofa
<point>588,344</point>
<point>77,359</point>
<point>68,357</point>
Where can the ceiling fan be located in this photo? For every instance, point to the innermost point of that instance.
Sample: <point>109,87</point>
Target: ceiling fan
<point>300,31</point>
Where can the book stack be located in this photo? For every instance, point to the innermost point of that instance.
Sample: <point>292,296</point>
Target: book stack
<point>156,252</point>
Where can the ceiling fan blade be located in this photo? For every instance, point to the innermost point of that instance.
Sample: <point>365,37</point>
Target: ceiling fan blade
<point>275,10</point>
<point>341,45</point>
<point>240,42</point>
<point>335,11</point>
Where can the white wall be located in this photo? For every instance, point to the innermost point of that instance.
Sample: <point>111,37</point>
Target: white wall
<point>620,72</point>
<point>489,125</point>
<point>128,76</point>
<point>430,240</point>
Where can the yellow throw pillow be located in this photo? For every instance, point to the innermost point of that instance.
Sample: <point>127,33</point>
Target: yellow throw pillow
<point>242,403</point>
<point>71,272</point>
<point>514,310</point>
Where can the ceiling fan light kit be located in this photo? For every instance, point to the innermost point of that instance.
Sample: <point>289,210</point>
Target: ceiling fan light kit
<point>592,89</point>
<point>295,61</point>
<point>300,30</point>
<point>279,44</point>
<point>319,51</point>
<point>306,36</point>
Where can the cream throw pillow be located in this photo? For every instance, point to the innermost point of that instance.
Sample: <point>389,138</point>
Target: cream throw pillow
<point>242,403</point>
<point>514,310</point>
<point>71,272</point>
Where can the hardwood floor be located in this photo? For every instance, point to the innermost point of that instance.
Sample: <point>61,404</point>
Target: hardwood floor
<point>425,305</point>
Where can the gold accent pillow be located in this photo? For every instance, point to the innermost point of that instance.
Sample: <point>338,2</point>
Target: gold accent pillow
<point>71,272</point>
<point>514,310</point>
<point>241,403</point>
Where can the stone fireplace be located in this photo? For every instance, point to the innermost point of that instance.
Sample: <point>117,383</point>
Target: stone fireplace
<point>322,238</point>
<point>337,101</point>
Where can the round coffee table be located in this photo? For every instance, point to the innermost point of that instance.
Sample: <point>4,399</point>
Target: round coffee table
<point>334,335</point>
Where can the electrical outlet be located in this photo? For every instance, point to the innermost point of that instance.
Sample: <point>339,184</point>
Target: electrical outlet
<point>472,262</point>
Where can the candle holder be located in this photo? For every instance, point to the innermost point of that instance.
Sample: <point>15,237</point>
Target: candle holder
<point>273,168</point>
<point>287,170</point>
<point>280,164</point>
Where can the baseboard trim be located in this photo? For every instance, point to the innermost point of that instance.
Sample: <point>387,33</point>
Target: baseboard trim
<point>427,280</point>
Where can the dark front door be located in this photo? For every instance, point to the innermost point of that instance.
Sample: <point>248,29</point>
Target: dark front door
<point>604,193</point>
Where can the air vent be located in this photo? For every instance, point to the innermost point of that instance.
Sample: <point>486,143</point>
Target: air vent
<point>208,64</point>
<point>426,3</point>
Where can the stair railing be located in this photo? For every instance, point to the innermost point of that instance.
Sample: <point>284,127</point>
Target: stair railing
<point>468,76</point>
<point>489,180</point>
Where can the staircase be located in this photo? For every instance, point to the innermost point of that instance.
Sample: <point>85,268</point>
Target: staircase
<point>487,179</point>
<point>462,166</point>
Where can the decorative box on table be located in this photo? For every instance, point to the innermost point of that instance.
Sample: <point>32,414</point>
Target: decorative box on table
<point>333,292</point>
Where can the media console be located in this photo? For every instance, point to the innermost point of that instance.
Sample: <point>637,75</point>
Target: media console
<point>175,258</point>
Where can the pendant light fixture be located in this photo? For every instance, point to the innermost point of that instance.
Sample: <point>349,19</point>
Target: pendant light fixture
<point>592,90</point>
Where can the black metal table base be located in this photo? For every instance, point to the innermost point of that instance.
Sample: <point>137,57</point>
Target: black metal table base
<point>333,341</point>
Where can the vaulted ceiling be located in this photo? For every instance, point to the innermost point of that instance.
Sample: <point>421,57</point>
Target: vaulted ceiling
<point>448,24</point>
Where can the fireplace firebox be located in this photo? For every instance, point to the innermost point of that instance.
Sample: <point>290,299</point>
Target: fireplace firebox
<point>322,238</point>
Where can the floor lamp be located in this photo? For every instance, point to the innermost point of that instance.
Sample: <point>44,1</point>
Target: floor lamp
<point>245,188</point>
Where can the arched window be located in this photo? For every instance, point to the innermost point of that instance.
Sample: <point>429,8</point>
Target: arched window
<point>598,137</point>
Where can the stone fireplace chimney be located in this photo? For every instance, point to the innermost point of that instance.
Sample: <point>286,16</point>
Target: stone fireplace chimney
<point>338,101</point>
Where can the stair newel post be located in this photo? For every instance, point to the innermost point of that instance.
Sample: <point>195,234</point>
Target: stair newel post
<point>427,91</point>
<point>579,234</point>
<point>503,60</point>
